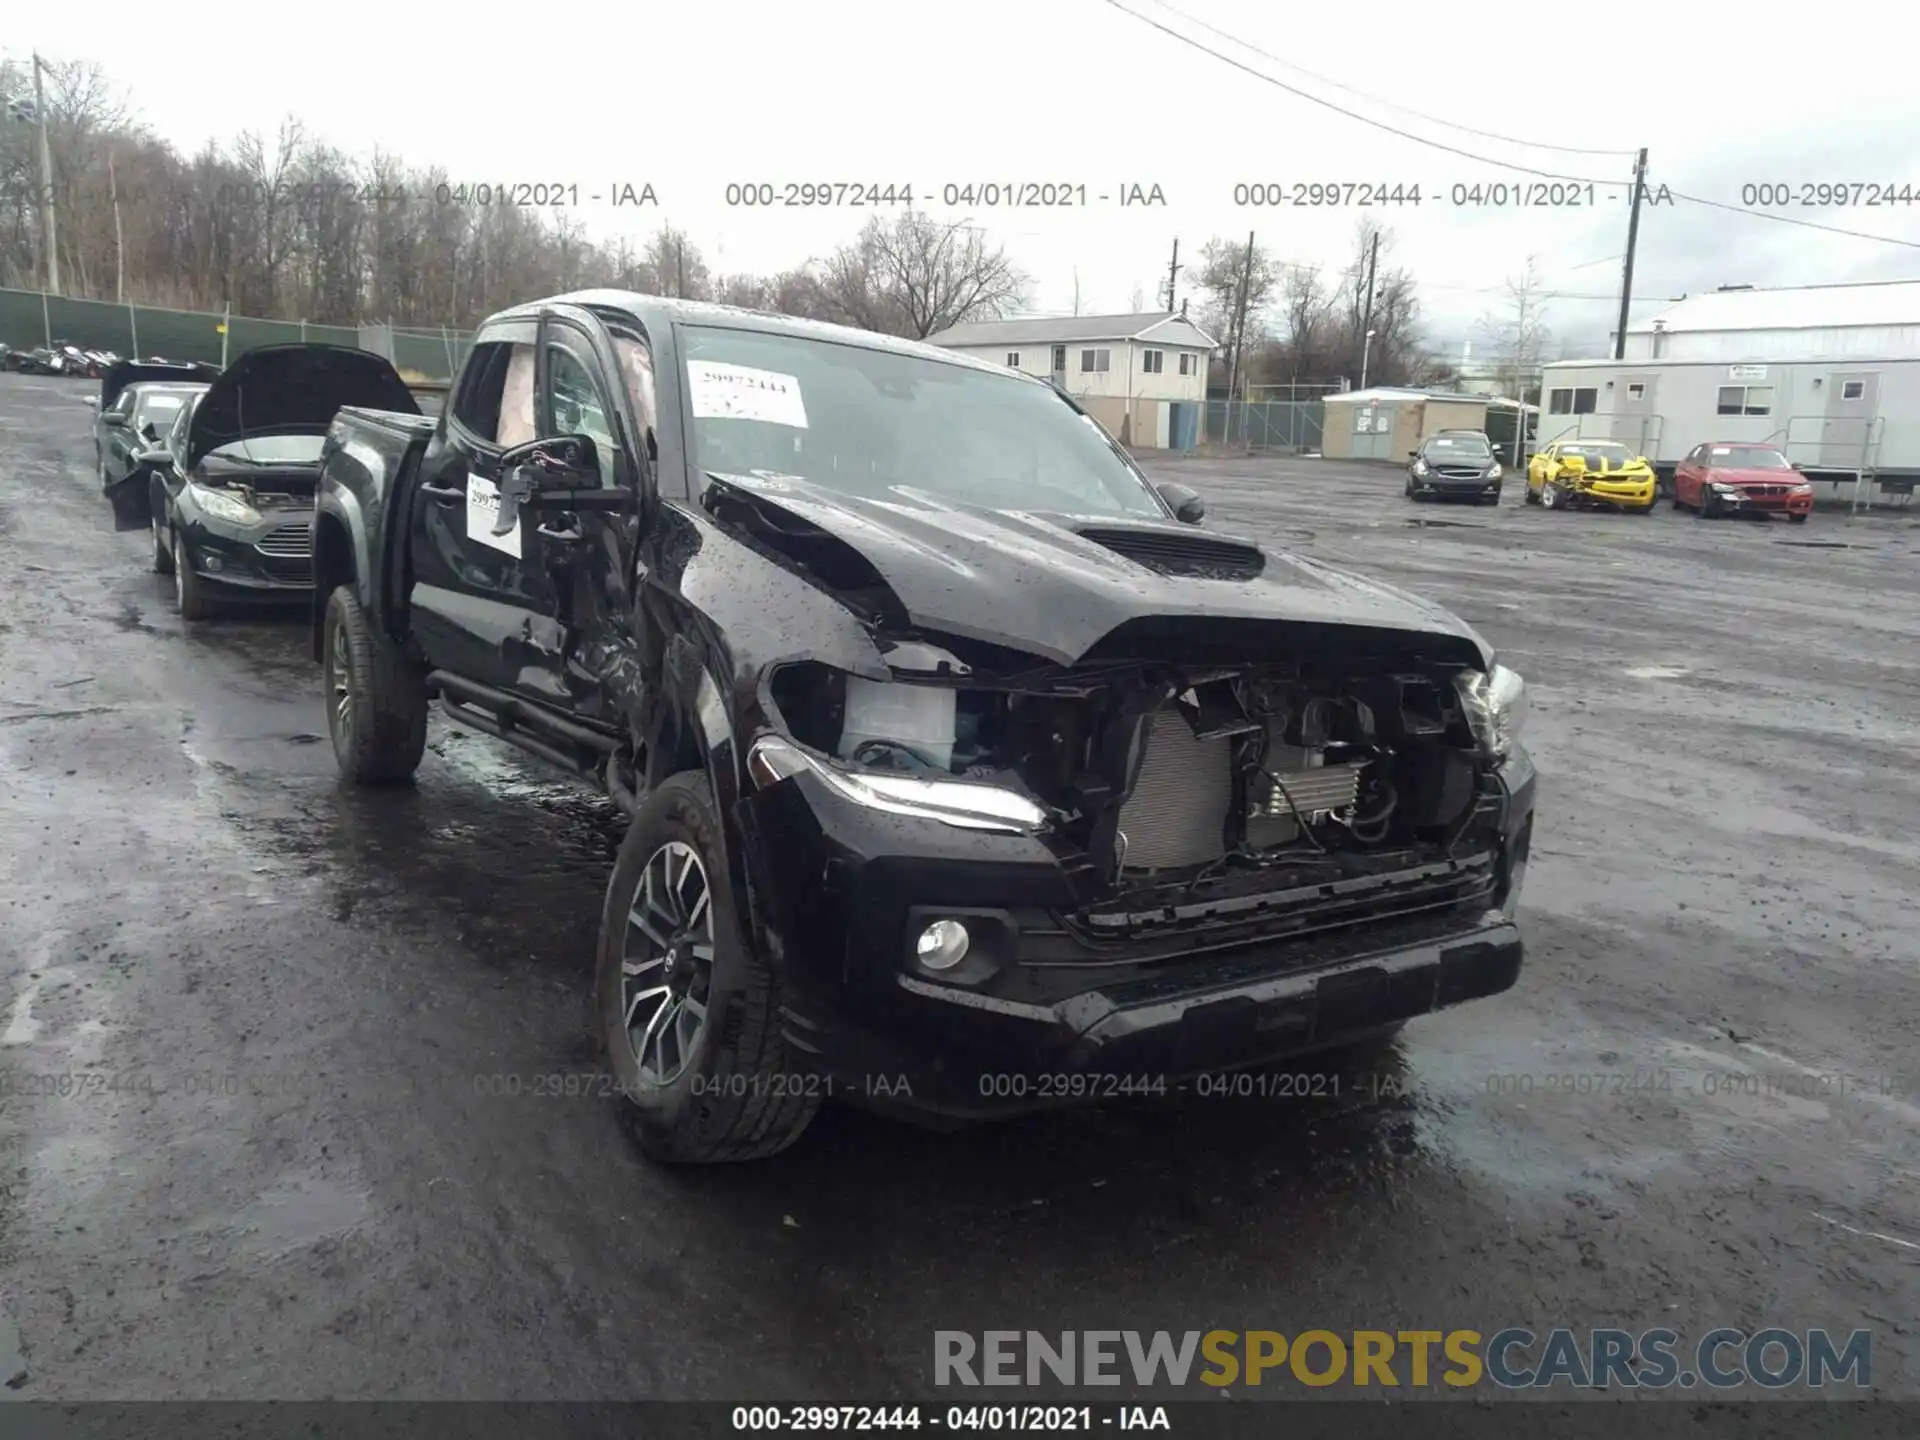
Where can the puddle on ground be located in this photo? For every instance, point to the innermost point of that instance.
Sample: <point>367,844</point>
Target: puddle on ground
<point>1655,672</point>
<point>1826,545</point>
<point>297,1213</point>
<point>1425,524</point>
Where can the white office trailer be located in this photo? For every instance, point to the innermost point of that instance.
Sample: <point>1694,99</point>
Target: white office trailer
<point>1830,374</point>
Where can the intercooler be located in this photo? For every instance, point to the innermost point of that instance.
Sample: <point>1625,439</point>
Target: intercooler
<point>1177,814</point>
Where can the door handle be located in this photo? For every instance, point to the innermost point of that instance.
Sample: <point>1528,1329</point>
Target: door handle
<point>445,494</point>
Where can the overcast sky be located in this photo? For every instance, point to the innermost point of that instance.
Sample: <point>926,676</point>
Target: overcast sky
<point>691,97</point>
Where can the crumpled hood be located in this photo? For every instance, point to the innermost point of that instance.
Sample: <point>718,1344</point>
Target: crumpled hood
<point>292,390</point>
<point>1744,478</point>
<point>1028,581</point>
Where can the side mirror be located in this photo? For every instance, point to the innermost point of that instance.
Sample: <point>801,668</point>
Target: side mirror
<point>561,473</point>
<point>158,458</point>
<point>1188,508</point>
<point>1413,454</point>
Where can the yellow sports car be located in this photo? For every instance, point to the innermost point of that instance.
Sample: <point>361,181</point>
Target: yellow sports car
<point>1588,474</point>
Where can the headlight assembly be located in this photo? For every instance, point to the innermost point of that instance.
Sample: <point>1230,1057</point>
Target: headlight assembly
<point>960,803</point>
<point>222,506</point>
<point>1493,471</point>
<point>1496,704</point>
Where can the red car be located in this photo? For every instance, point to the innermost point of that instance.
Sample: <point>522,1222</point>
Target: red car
<point>1735,478</point>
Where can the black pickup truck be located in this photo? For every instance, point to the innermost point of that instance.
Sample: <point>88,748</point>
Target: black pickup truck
<point>966,773</point>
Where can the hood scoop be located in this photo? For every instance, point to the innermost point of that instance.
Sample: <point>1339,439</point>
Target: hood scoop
<point>1194,557</point>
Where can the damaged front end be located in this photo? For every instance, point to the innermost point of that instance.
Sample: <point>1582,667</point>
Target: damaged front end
<point>1087,862</point>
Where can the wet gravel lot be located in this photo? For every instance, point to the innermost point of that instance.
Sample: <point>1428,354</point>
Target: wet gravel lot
<point>291,1170</point>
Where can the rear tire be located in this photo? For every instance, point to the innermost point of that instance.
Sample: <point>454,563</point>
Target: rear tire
<point>376,699</point>
<point>727,1090</point>
<point>189,592</point>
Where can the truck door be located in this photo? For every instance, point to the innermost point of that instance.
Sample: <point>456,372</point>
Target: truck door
<point>484,606</point>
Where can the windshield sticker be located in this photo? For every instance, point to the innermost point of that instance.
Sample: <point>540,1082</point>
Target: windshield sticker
<point>483,509</point>
<point>739,392</point>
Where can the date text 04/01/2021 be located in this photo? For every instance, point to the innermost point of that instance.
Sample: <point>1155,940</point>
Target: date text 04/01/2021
<point>1073,1418</point>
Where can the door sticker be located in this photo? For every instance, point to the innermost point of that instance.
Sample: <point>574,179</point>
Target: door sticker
<point>740,392</point>
<point>483,509</point>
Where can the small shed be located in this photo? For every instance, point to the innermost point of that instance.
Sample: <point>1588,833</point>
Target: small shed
<point>1385,423</point>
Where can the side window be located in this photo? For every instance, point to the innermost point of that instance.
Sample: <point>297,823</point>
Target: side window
<point>495,398</point>
<point>578,407</point>
<point>123,402</point>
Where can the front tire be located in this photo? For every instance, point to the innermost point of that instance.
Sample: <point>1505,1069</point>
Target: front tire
<point>162,556</point>
<point>189,591</point>
<point>1708,507</point>
<point>376,700</point>
<point>690,1017</point>
<point>1550,496</point>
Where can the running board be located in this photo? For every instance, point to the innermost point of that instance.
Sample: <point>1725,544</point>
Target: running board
<point>517,714</point>
<point>574,763</point>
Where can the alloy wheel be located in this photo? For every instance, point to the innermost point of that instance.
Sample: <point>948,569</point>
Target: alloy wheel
<point>180,563</point>
<point>340,688</point>
<point>666,962</point>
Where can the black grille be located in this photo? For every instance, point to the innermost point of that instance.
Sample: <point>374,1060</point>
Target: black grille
<point>1457,472</point>
<point>288,542</point>
<point>1196,556</point>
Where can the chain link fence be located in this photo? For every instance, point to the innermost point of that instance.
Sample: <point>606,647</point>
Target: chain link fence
<point>1294,426</point>
<point>29,319</point>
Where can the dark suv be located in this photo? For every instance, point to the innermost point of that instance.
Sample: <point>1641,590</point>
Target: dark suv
<point>1454,465</point>
<point>966,774</point>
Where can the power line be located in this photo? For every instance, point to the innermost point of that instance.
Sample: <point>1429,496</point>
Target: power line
<point>1352,114</point>
<point>1790,220</point>
<point>1375,99</point>
<point>1484,159</point>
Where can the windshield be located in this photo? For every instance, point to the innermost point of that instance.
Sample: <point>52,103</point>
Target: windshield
<point>1611,456</point>
<point>270,450</point>
<point>862,421</point>
<point>1746,457</point>
<point>158,409</point>
<point>1458,447</point>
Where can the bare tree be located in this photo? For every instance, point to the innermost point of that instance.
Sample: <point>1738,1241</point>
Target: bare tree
<point>1137,301</point>
<point>915,275</point>
<point>1223,266</point>
<point>1393,316</point>
<point>1519,335</point>
<point>677,267</point>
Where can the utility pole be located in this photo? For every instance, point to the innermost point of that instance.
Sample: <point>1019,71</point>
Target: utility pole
<point>1173,273</point>
<point>50,227</point>
<point>1366,314</point>
<point>1240,332</point>
<point>119,239</point>
<point>1633,239</point>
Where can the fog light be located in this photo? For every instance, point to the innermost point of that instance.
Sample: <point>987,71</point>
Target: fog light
<point>942,945</point>
<point>211,562</point>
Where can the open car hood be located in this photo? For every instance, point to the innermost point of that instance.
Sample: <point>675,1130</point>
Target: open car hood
<point>1057,586</point>
<point>292,390</point>
<point>136,372</point>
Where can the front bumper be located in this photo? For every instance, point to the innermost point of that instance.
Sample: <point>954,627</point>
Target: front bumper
<point>1768,501</point>
<point>1059,1003</point>
<point>1448,488</point>
<point>271,557</point>
<point>1613,494</point>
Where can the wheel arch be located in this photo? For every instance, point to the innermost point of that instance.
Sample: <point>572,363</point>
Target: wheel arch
<point>339,558</point>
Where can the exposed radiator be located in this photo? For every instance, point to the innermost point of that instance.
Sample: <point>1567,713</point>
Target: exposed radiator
<point>1177,813</point>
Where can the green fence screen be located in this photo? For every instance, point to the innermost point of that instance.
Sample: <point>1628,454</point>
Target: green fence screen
<point>29,319</point>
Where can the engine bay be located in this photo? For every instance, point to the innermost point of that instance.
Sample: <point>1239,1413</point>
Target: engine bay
<point>1160,773</point>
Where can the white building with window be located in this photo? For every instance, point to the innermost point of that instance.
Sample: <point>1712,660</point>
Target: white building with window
<point>1144,377</point>
<point>1828,373</point>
